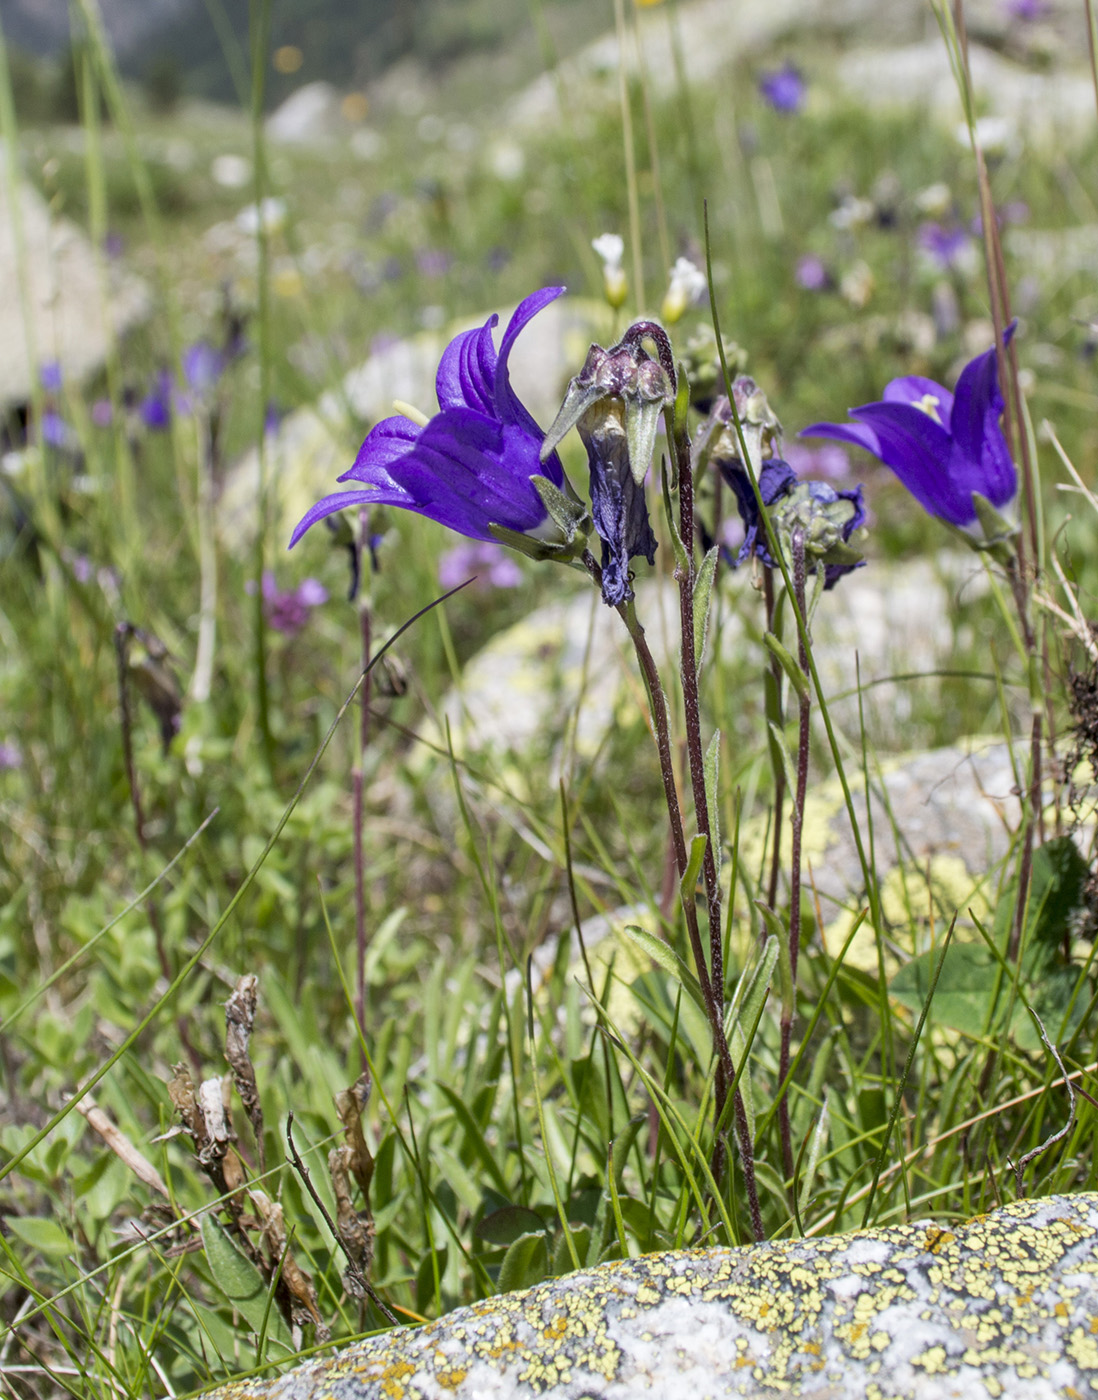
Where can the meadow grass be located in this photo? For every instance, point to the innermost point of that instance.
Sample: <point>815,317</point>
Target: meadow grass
<point>528,1102</point>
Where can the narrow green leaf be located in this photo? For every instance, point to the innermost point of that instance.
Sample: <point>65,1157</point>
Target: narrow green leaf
<point>474,1138</point>
<point>663,954</point>
<point>780,931</point>
<point>688,885</point>
<point>818,1142</point>
<point>711,768</point>
<point>703,591</point>
<point>797,678</point>
<point>778,743</point>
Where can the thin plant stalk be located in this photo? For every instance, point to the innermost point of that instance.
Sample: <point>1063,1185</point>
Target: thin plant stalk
<point>259,25</point>
<point>123,635</point>
<point>773,684</point>
<point>358,780</point>
<point>797,830</point>
<point>630,156</point>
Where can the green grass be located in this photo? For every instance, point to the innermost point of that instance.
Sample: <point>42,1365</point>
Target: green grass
<point>511,1136</point>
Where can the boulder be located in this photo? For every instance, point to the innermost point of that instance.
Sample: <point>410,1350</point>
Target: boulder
<point>1004,1305</point>
<point>77,301</point>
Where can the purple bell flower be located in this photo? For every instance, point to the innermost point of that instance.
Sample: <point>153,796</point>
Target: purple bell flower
<point>944,447</point>
<point>471,467</point>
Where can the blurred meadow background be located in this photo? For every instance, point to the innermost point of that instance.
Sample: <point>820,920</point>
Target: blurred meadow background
<point>230,235</point>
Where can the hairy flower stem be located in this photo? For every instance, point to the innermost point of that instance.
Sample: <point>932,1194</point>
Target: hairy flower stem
<point>358,783</point>
<point>797,825</point>
<point>773,686</point>
<point>1020,590</point>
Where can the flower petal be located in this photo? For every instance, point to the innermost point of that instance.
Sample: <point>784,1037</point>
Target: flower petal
<point>988,467</point>
<point>467,371</point>
<point>508,406</point>
<point>385,443</point>
<point>340,500</point>
<point>860,434</point>
<point>922,455</point>
<point>916,389</point>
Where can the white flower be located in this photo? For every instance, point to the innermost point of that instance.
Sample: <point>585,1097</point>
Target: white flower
<point>611,249</point>
<point>687,287</point>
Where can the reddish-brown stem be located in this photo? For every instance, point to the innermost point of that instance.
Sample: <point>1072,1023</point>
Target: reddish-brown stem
<point>358,781</point>
<point>797,825</point>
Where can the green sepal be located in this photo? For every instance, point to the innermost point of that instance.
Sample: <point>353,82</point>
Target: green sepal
<point>682,400</point>
<point>566,512</point>
<point>642,417</point>
<point>577,400</point>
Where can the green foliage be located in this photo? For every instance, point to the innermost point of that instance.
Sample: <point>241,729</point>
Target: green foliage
<point>540,1098</point>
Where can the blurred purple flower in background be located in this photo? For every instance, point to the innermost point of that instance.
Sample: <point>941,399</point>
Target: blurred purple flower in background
<point>784,89</point>
<point>1025,10</point>
<point>114,245</point>
<point>829,461</point>
<point>811,274</point>
<point>54,429</point>
<point>942,446</point>
<point>433,262</point>
<point>102,413</point>
<point>287,609</point>
<point>51,377</point>
<point>470,466</point>
<point>948,247</point>
<point>203,366</point>
<point>488,562</point>
<point>156,407</point>
<point>11,755</point>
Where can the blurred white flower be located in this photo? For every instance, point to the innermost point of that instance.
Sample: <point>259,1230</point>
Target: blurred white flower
<point>611,249</point>
<point>687,287</point>
<point>270,215</point>
<point>231,172</point>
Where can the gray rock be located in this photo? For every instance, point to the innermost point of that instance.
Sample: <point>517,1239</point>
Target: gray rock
<point>1004,1305</point>
<point>310,115</point>
<point>76,301</point>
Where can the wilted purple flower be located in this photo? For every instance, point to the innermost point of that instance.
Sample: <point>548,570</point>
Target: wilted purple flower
<point>489,562</point>
<point>945,246</point>
<point>810,501</point>
<point>102,413</point>
<point>51,377</point>
<point>942,446</point>
<point>156,407</point>
<point>203,366</point>
<point>472,465</point>
<point>11,755</point>
<point>287,609</point>
<point>811,274</point>
<point>784,88</point>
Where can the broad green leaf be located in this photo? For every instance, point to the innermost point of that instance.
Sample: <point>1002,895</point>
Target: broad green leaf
<point>508,1224</point>
<point>524,1264</point>
<point>41,1233</point>
<point>242,1284</point>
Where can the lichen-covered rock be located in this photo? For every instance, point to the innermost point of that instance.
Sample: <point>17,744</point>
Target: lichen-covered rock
<point>1005,1305</point>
